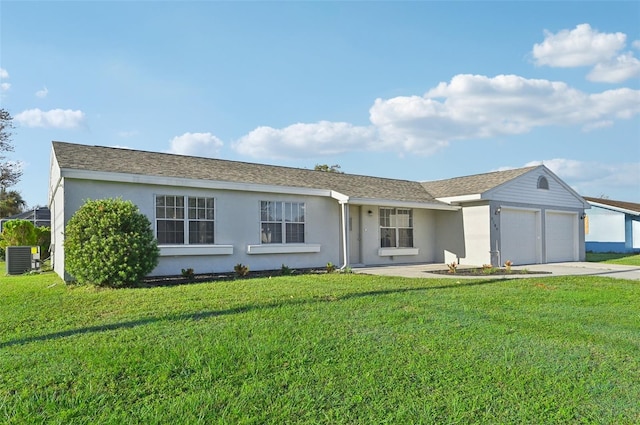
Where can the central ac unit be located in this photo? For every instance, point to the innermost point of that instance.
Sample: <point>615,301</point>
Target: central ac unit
<point>22,259</point>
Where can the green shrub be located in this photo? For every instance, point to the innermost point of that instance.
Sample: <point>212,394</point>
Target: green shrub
<point>330,267</point>
<point>241,270</point>
<point>286,271</point>
<point>108,242</point>
<point>188,273</point>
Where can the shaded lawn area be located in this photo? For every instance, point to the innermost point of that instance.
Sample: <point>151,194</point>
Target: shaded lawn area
<point>614,258</point>
<point>332,349</point>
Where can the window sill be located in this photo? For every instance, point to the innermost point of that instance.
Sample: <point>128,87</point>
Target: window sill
<point>282,249</point>
<point>390,252</point>
<point>180,250</point>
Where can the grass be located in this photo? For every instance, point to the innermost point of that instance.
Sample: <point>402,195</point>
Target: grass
<point>614,258</point>
<point>334,349</point>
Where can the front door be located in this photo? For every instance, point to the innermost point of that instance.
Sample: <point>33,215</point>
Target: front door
<point>354,234</point>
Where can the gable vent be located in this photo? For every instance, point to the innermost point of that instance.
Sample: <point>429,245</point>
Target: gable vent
<point>543,183</point>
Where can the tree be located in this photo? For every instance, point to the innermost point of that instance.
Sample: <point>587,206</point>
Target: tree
<point>24,233</point>
<point>11,203</point>
<point>109,242</point>
<point>328,168</point>
<point>10,172</point>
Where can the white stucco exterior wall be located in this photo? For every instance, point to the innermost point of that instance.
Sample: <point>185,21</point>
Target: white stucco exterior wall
<point>424,237</point>
<point>237,227</point>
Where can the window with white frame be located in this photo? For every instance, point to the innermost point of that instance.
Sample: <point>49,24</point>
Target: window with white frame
<point>396,228</point>
<point>174,214</point>
<point>282,222</point>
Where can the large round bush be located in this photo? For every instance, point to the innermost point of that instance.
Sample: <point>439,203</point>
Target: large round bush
<point>108,242</point>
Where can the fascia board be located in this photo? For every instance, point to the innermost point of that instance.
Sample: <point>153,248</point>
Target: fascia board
<point>612,208</point>
<point>195,183</point>
<point>340,197</point>
<point>403,204</point>
<point>461,198</point>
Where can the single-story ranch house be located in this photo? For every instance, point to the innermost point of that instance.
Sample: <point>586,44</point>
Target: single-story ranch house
<point>612,226</point>
<point>211,214</point>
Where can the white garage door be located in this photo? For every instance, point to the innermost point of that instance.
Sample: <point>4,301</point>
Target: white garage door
<point>520,236</point>
<point>561,236</point>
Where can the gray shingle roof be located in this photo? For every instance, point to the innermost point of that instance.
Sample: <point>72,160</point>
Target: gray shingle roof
<point>73,156</point>
<point>471,185</point>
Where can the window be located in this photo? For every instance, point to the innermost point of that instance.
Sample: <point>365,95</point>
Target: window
<point>282,222</point>
<point>175,213</point>
<point>396,228</point>
<point>543,183</point>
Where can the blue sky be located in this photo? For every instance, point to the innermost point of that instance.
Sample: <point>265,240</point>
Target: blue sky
<point>410,90</point>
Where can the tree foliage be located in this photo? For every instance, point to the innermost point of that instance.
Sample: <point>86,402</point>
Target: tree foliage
<point>11,203</point>
<point>108,242</point>
<point>10,172</point>
<point>24,233</point>
<point>328,168</point>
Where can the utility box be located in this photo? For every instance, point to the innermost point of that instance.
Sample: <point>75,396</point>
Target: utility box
<point>22,259</point>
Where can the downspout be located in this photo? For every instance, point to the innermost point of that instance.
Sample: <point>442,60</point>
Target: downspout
<point>345,246</point>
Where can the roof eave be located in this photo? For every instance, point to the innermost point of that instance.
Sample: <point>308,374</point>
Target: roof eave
<point>612,208</point>
<point>461,198</point>
<point>435,205</point>
<point>195,183</point>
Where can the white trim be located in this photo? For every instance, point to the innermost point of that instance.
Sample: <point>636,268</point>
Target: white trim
<point>390,252</point>
<point>181,250</point>
<point>403,204</point>
<point>283,248</point>
<point>612,208</point>
<point>342,198</point>
<point>461,198</point>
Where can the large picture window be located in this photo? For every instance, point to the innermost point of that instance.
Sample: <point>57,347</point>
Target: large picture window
<point>282,222</point>
<point>396,228</point>
<point>174,214</point>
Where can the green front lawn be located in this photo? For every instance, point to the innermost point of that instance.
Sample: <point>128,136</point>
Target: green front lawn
<point>331,349</point>
<point>614,258</point>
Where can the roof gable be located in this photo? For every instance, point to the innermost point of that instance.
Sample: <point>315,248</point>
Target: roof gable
<point>473,185</point>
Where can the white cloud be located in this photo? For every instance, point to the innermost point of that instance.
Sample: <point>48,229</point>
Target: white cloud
<point>475,106</point>
<point>54,118</point>
<point>196,144</point>
<point>582,46</point>
<point>303,140</point>
<point>42,93</point>
<point>4,86</point>
<point>622,68</point>
<point>468,107</point>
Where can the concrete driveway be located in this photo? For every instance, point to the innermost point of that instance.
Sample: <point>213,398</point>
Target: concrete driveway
<point>552,269</point>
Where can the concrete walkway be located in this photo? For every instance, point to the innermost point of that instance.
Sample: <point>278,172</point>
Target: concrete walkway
<point>552,269</point>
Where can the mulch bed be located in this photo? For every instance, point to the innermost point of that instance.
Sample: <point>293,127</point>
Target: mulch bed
<point>479,271</point>
<point>217,277</point>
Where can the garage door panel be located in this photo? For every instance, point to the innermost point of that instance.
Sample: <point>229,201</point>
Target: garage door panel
<point>561,236</point>
<point>520,236</point>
